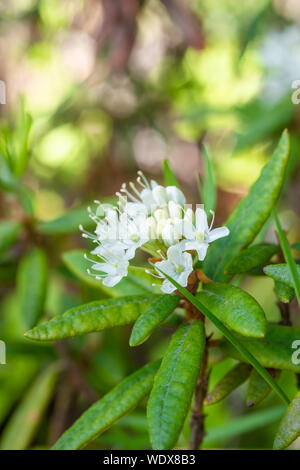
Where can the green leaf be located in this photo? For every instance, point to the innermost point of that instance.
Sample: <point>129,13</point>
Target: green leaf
<point>289,258</point>
<point>100,416</point>
<point>244,424</point>
<point>296,246</point>
<point>258,121</point>
<point>207,186</point>
<point>94,316</point>
<point>24,422</point>
<point>32,279</point>
<point>232,380</point>
<point>19,143</point>
<point>281,273</point>
<point>67,223</point>
<point>252,257</point>
<point>258,389</point>
<point>26,198</point>
<point>251,213</point>
<point>232,338</point>
<point>8,181</point>
<point>174,385</point>
<point>170,178</point>
<point>234,307</point>
<point>289,428</point>
<point>14,378</point>
<point>284,292</point>
<point>9,232</point>
<point>155,314</point>
<point>136,282</point>
<point>274,350</point>
<point>70,221</point>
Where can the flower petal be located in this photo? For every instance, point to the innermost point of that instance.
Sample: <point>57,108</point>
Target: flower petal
<point>111,281</point>
<point>202,250</point>
<point>201,220</point>
<point>175,194</point>
<point>217,233</point>
<point>167,287</point>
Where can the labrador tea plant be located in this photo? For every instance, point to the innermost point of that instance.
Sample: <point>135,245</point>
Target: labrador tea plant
<point>192,280</point>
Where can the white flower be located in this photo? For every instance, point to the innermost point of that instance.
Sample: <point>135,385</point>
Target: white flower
<point>152,195</point>
<point>155,220</point>
<point>114,266</point>
<point>166,223</point>
<point>198,235</point>
<point>133,233</point>
<point>178,266</point>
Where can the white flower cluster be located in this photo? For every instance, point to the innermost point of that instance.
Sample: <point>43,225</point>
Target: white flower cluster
<point>157,220</point>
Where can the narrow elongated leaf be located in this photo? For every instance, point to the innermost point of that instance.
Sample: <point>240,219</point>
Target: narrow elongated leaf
<point>67,223</point>
<point>289,428</point>
<point>100,416</point>
<point>170,178</point>
<point>232,337</point>
<point>288,258</point>
<point>234,307</point>
<point>14,378</point>
<point>23,424</point>
<point>94,316</point>
<point>136,282</point>
<point>251,213</point>
<point>70,221</point>
<point>274,350</point>
<point>9,232</point>
<point>232,380</point>
<point>155,314</point>
<point>284,292</point>
<point>207,187</point>
<point>243,424</point>
<point>252,257</point>
<point>20,137</point>
<point>281,273</point>
<point>258,389</point>
<point>7,180</point>
<point>32,286</point>
<point>174,385</point>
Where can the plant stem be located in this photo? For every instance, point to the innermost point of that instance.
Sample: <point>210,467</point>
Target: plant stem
<point>75,372</point>
<point>198,416</point>
<point>285,313</point>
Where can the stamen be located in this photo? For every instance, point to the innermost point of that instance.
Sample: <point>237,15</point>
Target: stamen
<point>161,254</point>
<point>89,259</point>
<point>134,189</point>
<point>86,234</point>
<point>131,197</point>
<point>152,274</point>
<point>141,174</point>
<point>120,195</point>
<point>141,183</point>
<point>97,276</point>
<point>212,220</point>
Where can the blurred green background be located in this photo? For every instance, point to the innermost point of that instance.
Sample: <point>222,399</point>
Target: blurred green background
<point>112,87</point>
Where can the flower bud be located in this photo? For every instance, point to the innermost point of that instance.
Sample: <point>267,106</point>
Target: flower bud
<point>175,194</point>
<point>160,195</point>
<point>175,210</point>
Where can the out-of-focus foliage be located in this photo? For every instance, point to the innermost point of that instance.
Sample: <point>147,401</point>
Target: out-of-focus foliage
<point>93,92</point>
